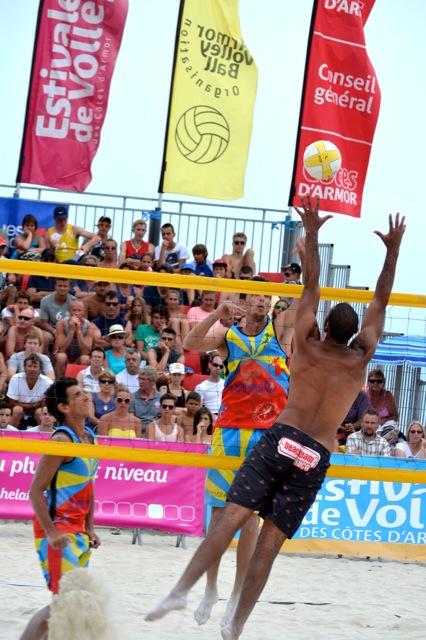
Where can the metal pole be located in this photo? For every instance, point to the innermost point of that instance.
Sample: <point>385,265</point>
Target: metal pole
<point>155,223</point>
<point>292,230</point>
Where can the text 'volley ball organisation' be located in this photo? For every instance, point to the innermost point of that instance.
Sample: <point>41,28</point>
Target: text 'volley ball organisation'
<point>202,134</point>
<point>322,159</point>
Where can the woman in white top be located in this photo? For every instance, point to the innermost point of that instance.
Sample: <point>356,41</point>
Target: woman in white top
<point>415,447</point>
<point>88,378</point>
<point>166,428</point>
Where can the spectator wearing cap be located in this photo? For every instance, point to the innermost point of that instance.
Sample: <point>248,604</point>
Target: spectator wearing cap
<point>169,251</point>
<point>240,255</point>
<point>131,250</point>
<point>116,355</point>
<point>111,317</point>
<point>187,269</point>
<point>202,265</point>
<point>292,273</point>
<point>176,376</point>
<point>220,268</point>
<point>74,338</point>
<point>104,226</point>
<point>211,389</point>
<point>189,295</point>
<point>129,375</point>
<point>63,237</point>
<point>165,353</point>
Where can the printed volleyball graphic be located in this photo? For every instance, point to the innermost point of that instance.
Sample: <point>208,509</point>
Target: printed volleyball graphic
<point>202,134</point>
<point>322,159</point>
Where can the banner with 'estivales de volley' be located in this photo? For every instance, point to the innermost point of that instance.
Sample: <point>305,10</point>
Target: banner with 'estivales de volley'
<point>211,103</point>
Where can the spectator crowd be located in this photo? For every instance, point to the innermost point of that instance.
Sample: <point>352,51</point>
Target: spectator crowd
<point>125,343</point>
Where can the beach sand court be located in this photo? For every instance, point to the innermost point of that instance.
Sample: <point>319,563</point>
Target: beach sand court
<point>306,597</point>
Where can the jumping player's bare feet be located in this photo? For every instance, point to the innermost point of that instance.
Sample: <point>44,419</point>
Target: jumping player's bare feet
<point>230,610</point>
<point>171,603</point>
<point>228,633</point>
<point>203,612</point>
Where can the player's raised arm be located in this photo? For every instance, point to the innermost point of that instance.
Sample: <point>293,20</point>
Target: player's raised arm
<point>373,322</point>
<point>307,308</point>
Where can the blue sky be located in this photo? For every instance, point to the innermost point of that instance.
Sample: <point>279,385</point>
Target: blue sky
<point>275,31</point>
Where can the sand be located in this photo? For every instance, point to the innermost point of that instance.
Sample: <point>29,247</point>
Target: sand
<point>306,597</point>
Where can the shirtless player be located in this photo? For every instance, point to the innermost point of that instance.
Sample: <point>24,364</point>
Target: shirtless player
<point>305,432</point>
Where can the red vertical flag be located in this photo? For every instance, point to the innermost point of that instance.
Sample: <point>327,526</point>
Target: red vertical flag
<point>77,44</point>
<point>340,103</point>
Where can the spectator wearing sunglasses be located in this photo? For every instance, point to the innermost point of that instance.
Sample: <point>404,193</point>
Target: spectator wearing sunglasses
<point>145,402</point>
<point>415,447</point>
<point>16,336</point>
<point>280,306</point>
<point>111,317</point>
<point>292,273</point>
<point>384,403</point>
<point>166,428</point>
<point>103,401</point>
<point>211,389</point>
<point>120,423</point>
<point>116,355</point>
<point>41,286</point>
<point>165,353</point>
<point>240,256</point>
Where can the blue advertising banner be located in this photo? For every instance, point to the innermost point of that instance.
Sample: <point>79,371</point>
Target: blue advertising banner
<point>12,211</point>
<point>367,511</point>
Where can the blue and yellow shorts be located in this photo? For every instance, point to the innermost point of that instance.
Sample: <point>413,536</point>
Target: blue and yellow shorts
<point>56,562</point>
<point>228,442</point>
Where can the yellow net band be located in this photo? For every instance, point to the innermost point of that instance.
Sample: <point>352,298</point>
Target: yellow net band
<point>124,276</point>
<point>133,454</point>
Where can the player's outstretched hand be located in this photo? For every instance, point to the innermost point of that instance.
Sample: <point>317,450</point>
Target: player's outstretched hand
<point>392,239</point>
<point>310,218</point>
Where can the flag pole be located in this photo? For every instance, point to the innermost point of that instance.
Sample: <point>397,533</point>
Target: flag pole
<point>27,108</point>
<point>155,223</point>
<point>292,228</point>
<point>302,102</point>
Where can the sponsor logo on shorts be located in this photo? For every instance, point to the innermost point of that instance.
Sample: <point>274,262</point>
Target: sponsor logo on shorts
<point>266,413</point>
<point>304,457</point>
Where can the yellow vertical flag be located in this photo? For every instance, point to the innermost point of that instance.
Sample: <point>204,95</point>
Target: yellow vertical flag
<point>211,103</point>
